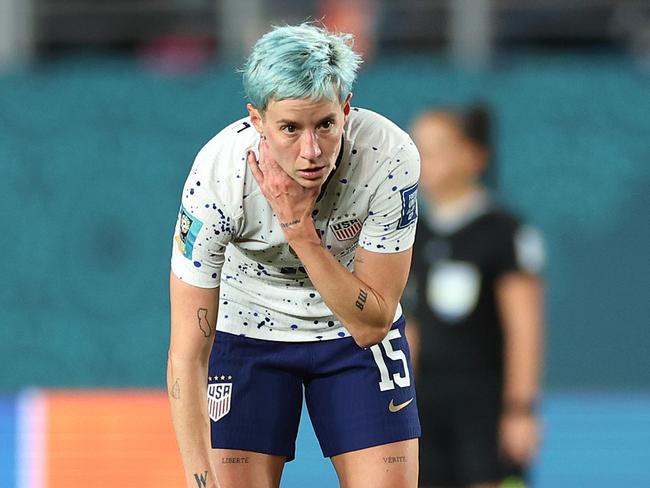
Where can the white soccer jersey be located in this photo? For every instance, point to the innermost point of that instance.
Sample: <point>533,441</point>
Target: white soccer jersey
<point>227,234</point>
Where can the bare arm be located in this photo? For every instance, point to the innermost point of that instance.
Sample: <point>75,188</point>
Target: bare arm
<point>193,320</point>
<point>413,338</point>
<point>520,298</point>
<point>364,301</point>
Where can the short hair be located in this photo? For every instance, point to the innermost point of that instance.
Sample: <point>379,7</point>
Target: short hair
<point>476,124</point>
<point>474,121</point>
<point>303,61</point>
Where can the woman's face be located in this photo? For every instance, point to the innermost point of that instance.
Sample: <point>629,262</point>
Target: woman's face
<point>449,160</point>
<point>304,136</point>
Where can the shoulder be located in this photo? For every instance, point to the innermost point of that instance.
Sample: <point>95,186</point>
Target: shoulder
<point>221,153</point>
<point>375,134</point>
<point>220,166</point>
<point>525,240</point>
<point>383,153</point>
<point>223,158</point>
<point>499,219</point>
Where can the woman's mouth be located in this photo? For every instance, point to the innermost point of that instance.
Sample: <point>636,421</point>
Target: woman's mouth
<point>312,173</point>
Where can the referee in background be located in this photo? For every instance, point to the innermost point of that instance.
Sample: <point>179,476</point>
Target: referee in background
<point>475,320</point>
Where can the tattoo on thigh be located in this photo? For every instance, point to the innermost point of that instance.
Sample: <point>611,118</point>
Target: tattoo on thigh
<point>176,389</point>
<point>234,460</point>
<point>361,299</point>
<point>204,324</point>
<point>394,459</point>
<point>201,479</point>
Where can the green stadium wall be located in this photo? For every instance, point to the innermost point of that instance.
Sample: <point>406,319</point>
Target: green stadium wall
<point>93,154</point>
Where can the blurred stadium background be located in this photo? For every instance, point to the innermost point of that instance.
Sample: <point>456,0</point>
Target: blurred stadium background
<point>103,106</point>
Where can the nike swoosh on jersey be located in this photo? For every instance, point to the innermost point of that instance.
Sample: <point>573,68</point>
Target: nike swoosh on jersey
<point>396,408</point>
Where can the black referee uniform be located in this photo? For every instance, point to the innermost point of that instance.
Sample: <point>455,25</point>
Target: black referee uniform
<point>452,293</point>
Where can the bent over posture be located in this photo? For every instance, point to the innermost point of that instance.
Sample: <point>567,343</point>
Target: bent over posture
<point>291,251</point>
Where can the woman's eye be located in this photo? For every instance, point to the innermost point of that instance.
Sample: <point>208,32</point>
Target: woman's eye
<point>327,124</point>
<point>289,129</point>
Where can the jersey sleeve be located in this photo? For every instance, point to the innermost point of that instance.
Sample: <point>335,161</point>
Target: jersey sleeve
<point>522,252</point>
<point>204,227</point>
<point>393,213</point>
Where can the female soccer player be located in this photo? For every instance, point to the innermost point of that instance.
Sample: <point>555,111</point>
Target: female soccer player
<point>294,241</point>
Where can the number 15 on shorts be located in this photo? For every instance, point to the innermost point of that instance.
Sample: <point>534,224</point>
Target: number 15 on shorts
<point>386,383</point>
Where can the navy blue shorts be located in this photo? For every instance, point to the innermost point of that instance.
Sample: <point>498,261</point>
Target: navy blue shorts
<point>357,398</point>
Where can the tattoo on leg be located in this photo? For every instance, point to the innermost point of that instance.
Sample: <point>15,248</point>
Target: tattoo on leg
<point>361,299</point>
<point>204,325</point>
<point>394,459</point>
<point>234,460</point>
<point>176,389</point>
<point>201,479</point>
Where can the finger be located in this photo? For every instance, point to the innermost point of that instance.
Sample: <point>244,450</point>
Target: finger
<point>253,165</point>
<point>264,153</point>
<point>267,163</point>
<point>272,165</point>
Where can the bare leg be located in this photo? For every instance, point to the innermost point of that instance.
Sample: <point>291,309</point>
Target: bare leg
<point>392,465</point>
<point>246,469</point>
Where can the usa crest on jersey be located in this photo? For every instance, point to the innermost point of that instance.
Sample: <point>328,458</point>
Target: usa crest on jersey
<point>219,395</point>
<point>346,230</point>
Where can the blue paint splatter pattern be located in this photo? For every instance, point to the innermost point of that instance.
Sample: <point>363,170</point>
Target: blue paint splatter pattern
<point>265,291</point>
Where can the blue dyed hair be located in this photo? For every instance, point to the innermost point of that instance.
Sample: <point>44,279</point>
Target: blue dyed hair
<point>301,61</point>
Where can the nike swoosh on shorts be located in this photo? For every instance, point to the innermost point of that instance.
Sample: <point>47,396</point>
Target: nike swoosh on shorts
<point>396,408</point>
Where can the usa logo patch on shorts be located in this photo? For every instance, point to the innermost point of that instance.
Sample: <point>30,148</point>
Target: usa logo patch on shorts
<point>219,395</point>
<point>347,229</point>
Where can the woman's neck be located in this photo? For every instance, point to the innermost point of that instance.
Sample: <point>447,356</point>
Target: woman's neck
<point>454,208</point>
<point>451,197</point>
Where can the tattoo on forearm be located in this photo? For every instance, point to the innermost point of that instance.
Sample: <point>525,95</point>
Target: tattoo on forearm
<point>234,460</point>
<point>361,299</point>
<point>284,225</point>
<point>204,324</point>
<point>201,479</point>
<point>176,389</point>
<point>394,459</point>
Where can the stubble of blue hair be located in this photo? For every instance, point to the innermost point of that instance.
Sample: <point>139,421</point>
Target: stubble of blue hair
<point>300,62</point>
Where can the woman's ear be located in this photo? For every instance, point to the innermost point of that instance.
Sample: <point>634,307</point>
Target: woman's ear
<point>256,118</point>
<point>346,104</point>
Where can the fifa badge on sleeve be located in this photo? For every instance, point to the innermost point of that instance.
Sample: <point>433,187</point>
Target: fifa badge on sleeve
<point>188,228</point>
<point>409,206</point>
